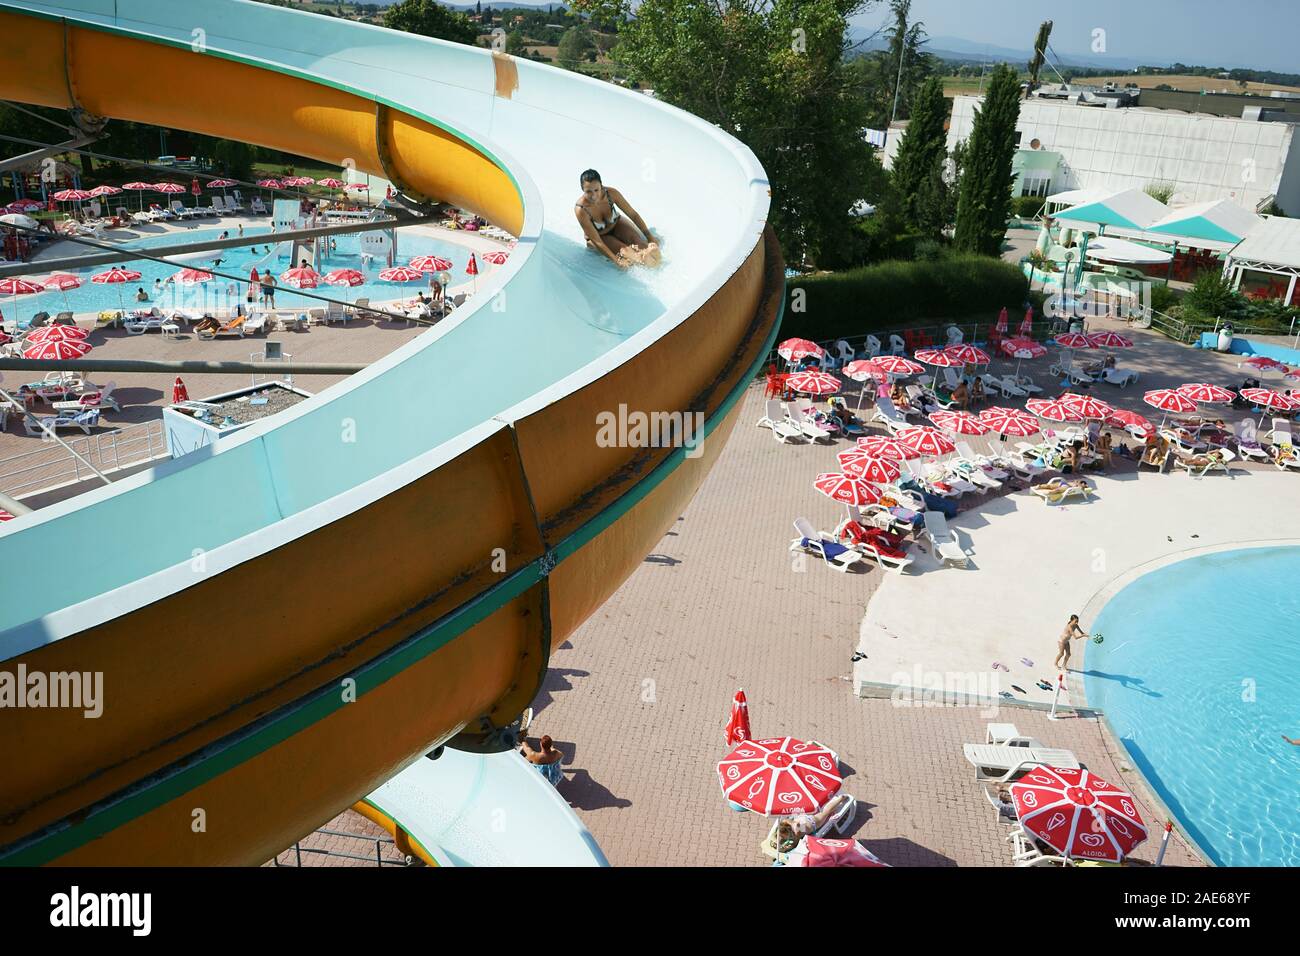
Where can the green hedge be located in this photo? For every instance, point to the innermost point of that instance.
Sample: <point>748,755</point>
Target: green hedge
<point>1026,206</point>
<point>892,294</point>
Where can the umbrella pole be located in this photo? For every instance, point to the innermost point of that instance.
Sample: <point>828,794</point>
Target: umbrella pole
<point>1164,843</point>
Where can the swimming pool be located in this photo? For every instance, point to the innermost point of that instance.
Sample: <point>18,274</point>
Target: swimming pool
<point>347,255</point>
<point>1198,675</point>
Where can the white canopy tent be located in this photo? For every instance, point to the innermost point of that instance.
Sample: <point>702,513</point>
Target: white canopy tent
<point>1123,252</point>
<point>1272,248</point>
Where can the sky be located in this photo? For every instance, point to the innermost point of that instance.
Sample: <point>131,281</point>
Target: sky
<point>1263,34</point>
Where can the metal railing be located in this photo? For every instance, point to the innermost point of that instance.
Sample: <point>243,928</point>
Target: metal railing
<point>377,858</point>
<point>51,465</point>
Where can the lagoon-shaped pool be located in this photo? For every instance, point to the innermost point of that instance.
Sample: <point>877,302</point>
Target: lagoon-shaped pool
<point>1199,675</point>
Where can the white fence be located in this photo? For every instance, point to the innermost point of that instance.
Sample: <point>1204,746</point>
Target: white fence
<point>51,465</point>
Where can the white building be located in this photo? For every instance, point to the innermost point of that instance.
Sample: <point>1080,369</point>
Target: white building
<point>1205,157</point>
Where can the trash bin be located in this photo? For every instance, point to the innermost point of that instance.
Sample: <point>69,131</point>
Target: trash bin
<point>1225,339</point>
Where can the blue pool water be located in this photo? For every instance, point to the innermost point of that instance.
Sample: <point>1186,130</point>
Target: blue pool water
<point>347,255</point>
<point>1198,675</point>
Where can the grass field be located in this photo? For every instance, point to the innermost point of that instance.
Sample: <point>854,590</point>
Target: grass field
<point>1191,83</point>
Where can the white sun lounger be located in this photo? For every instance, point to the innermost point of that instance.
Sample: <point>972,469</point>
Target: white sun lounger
<point>943,541</point>
<point>1003,762</point>
<point>820,543</point>
<point>782,430</point>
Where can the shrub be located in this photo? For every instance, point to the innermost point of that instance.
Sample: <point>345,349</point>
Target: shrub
<point>1160,191</point>
<point>1211,295</point>
<point>927,250</point>
<point>893,293</point>
<point>1162,297</point>
<point>1026,207</point>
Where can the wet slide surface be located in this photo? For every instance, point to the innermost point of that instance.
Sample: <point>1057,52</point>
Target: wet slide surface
<point>349,543</point>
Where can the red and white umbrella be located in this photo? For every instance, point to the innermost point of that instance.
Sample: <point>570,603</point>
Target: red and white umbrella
<point>191,277</point>
<point>884,447</point>
<point>847,489</point>
<point>1022,349</point>
<point>1267,398</point>
<point>826,851</point>
<point>939,358</point>
<point>99,191</point>
<point>792,350</point>
<point>925,441</point>
<point>348,277</point>
<point>1087,406</point>
<point>221,183</point>
<point>1265,364</point>
<point>401,274</point>
<point>736,730</point>
<point>269,183</point>
<point>360,186</point>
<point>1078,814</point>
<point>1169,400</point>
<point>56,333</point>
<point>169,188</point>
<point>967,355</point>
<point>1009,421</point>
<point>430,264</point>
<point>63,281</point>
<point>14,287</point>
<point>1123,418</point>
<point>1110,340</point>
<point>116,276</point>
<point>859,370</point>
<point>302,277</point>
<point>1205,393</point>
<point>1074,340</point>
<point>779,776</point>
<point>179,392</point>
<point>1026,324</point>
<point>471,269</point>
<point>22,205</point>
<point>71,195</point>
<point>497,257</point>
<point>860,464</point>
<point>57,349</point>
<point>1053,410</point>
<point>896,365</point>
<point>298,181</point>
<point>140,189</point>
<point>331,183</point>
<point>814,383</point>
<point>959,423</point>
<point>1000,327</point>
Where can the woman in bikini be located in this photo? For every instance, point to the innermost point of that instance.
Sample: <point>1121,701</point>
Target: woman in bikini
<point>609,230</point>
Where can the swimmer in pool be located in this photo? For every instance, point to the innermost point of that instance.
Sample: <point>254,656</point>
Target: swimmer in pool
<point>604,215</point>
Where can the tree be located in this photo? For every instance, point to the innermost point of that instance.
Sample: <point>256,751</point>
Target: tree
<point>430,19</point>
<point>773,75</point>
<point>515,43</point>
<point>984,195</point>
<point>573,47</point>
<point>892,76</point>
<point>918,167</point>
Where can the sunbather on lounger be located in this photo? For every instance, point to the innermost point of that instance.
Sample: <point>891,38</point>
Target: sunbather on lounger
<point>790,832</point>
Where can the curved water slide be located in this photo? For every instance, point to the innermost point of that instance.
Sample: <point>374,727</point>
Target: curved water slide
<point>288,618</point>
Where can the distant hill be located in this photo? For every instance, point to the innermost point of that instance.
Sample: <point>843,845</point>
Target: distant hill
<point>965,51</point>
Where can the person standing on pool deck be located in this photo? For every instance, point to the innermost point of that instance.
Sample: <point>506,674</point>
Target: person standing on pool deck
<point>1072,632</point>
<point>268,289</point>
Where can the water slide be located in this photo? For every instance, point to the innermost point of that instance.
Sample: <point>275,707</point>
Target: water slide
<point>467,809</point>
<point>287,619</point>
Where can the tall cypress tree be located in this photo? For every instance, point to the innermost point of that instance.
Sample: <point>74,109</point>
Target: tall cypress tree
<point>918,167</point>
<point>985,189</point>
